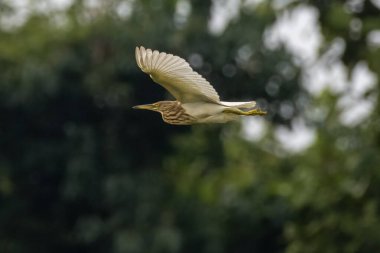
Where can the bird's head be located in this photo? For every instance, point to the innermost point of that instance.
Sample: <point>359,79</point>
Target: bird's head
<point>158,106</point>
<point>171,111</point>
<point>152,107</point>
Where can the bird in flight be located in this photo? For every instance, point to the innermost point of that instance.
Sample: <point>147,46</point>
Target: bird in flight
<point>197,101</point>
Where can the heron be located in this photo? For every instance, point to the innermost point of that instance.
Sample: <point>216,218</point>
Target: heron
<point>196,100</point>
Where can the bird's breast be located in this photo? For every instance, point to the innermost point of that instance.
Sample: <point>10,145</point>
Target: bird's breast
<point>175,114</point>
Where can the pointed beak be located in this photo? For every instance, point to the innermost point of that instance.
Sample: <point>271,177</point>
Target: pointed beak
<point>144,107</point>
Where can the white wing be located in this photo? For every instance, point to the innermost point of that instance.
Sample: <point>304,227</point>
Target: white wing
<point>176,76</point>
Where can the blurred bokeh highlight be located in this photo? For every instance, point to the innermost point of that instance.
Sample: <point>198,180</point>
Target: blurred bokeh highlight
<point>81,171</point>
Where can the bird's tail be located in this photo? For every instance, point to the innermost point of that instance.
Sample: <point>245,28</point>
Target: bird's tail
<point>240,108</point>
<point>241,105</point>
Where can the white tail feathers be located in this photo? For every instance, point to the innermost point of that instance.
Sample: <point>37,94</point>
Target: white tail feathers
<point>244,105</point>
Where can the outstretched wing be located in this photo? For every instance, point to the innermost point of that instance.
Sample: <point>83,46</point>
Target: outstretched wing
<point>176,76</point>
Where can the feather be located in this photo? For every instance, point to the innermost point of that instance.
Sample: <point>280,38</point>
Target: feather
<point>175,75</point>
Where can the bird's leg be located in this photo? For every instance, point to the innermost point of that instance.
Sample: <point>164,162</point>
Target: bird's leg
<point>252,112</point>
<point>255,112</point>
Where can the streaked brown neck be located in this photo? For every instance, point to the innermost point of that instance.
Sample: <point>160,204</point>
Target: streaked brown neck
<point>173,113</point>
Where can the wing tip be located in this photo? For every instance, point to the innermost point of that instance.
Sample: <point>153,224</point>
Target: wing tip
<point>143,58</point>
<point>138,56</point>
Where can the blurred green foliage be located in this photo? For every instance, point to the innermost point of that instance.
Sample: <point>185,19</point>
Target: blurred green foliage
<point>82,172</point>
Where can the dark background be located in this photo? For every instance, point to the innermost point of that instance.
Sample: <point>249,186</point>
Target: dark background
<point>80,171</point>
